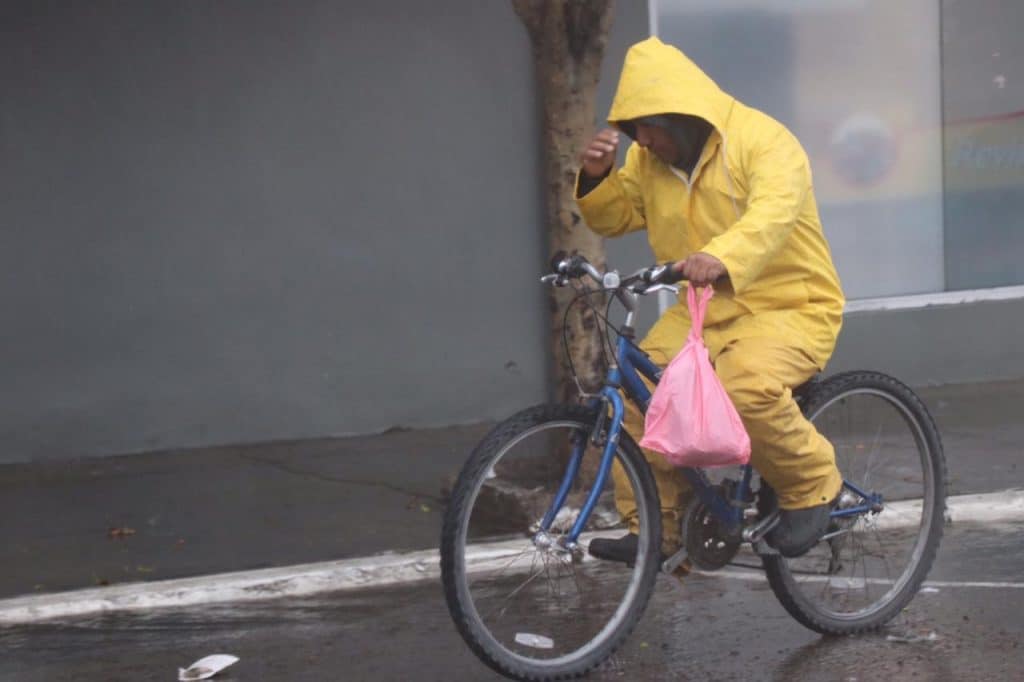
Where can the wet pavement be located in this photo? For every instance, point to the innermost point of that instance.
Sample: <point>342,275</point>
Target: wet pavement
<point>713,627</point>
<point>162,515</point>
<point>154,516</point>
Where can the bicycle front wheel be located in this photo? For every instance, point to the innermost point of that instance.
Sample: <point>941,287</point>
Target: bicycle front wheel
<point>527,606</point>
<point>869,565</point>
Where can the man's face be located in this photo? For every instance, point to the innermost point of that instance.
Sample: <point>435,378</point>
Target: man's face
<point>659,141</point>
<point>680,144</point>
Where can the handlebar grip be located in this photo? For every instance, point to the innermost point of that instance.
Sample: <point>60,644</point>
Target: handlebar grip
<point>671,275</point>
<point>664,274</point>
<point>569,266</point>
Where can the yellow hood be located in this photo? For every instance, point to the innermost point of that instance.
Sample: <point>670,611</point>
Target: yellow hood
<point>659,79</point>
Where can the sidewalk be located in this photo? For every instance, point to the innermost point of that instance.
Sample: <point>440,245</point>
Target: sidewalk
<point>173,514</point>
<point>157,516</point>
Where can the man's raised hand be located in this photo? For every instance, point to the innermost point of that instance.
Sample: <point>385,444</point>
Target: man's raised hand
<point>599,154</point>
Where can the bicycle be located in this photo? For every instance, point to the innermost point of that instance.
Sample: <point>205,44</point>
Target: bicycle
<point>531,603</point>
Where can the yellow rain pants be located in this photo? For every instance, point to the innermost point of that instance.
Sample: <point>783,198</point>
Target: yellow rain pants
<point>749,202</point>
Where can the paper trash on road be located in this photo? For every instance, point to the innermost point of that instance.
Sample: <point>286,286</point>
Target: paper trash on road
<point>205,668</point>
<point>913,638</point>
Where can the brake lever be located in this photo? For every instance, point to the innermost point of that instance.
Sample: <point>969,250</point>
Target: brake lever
<point>658,287</point>
<point>555,280</point>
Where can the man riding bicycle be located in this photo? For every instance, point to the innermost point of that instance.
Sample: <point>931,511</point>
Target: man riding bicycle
<point>725,191</point>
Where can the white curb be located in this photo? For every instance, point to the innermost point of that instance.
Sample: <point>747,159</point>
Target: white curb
<point>347,574</point>
<point>287,581</point>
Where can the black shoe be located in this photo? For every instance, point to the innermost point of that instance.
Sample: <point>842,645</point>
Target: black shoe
<point>621,549</point>
<point>798,530</point>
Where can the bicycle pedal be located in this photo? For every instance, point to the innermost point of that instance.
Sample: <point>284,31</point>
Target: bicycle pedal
<point>676,561</point>
<point>756,533</point>
<point>682,570</point>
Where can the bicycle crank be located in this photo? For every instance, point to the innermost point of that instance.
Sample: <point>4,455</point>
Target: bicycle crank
<point>709,543</point>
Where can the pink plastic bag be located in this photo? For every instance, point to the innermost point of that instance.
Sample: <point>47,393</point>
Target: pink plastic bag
<point>691,420</point>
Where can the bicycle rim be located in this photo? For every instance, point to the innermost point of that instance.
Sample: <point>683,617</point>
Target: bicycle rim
<point>539,612</point>
<point>871,564</point>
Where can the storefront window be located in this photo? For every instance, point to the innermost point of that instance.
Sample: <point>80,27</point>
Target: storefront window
<point>983,107</point>
<point>858,82</point>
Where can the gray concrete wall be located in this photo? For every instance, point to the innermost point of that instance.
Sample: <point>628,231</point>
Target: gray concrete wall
<point>938,344</point>
<point>244,221</point>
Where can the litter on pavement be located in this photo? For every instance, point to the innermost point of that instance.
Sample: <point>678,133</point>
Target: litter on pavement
<point>207,667</point>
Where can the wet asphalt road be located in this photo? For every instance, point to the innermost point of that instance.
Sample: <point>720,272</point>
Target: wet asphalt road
<point>712,628</point>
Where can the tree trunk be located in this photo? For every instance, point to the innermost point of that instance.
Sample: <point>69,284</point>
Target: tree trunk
<point>568,39</point>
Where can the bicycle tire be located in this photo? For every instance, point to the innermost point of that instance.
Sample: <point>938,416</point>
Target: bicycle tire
<point>791,584</point>
<point>491,641</point>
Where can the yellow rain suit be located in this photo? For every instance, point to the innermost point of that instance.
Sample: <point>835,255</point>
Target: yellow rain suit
<point>749,203</point>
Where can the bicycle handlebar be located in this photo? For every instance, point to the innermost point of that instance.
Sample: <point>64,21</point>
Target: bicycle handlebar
<point>643,281</point>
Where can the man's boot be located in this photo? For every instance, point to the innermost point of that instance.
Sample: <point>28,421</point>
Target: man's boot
<point>798,530</point>
<point>621,549</point>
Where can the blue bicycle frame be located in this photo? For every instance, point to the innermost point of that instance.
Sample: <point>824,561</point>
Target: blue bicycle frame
<point>630,364</point>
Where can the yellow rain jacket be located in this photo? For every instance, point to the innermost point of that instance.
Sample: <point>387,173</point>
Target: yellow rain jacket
<point>749,203</point>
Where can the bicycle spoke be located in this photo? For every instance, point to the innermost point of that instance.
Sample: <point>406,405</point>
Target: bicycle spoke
<point>864,566</point>
<point>553,585</point>
<point>501,572</point>
<point>885,561</point>
<point>504,604</point>
<point>868,467</point>
<point>571,573</point>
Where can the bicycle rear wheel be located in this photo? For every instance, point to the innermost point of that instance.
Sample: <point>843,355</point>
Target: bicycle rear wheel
<point>527,607</point>
<point>870,565</point>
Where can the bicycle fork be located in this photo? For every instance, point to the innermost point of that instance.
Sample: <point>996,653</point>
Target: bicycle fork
<point>609,396</point>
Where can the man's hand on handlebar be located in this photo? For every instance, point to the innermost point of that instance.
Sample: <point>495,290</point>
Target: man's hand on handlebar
<point>701,269</point>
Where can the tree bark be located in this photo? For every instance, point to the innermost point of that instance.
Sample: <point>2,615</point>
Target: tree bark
<point>568,38</point>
